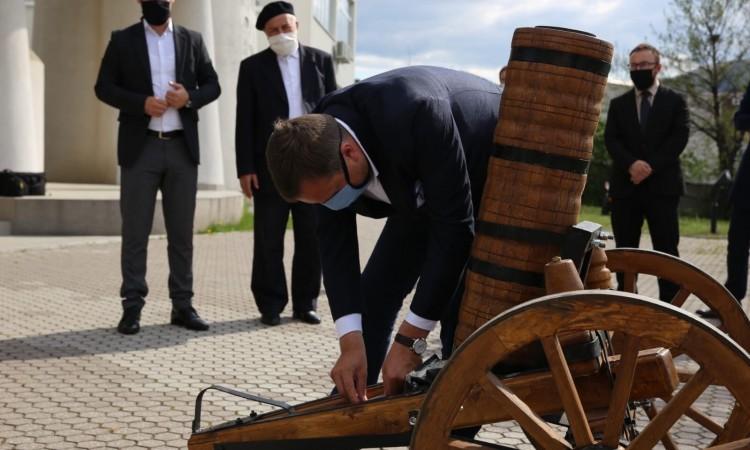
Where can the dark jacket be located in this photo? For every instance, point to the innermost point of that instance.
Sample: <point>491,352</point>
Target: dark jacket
<point>261,100</point>
<point>124,82</point>
<point>417,124</point>
<point>740,196</point>
<point>661,144</point>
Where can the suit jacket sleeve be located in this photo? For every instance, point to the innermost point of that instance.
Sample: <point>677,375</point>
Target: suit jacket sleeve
<point>742,116</point>
<point>330,75</point>
<point>614,140</point>
<point>108,86</point>
<point>442,170</point>
<point>243,130</point>
<point>669,152</point>
<point>207,89</point>
<point>339,251</point>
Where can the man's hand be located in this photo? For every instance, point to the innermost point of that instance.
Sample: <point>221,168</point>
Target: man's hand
<point>248,182</point>
<point>177,97</point>
<point>350,371</point>
<point>639,171</point>
<point>155,107</point>
<point>401,360</point>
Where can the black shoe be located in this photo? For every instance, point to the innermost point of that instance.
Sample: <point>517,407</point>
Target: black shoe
<point>270,319</point>
<point>310,317</point>
<point>131,320</point>
<point>188,318</point>
<point>708,314</point>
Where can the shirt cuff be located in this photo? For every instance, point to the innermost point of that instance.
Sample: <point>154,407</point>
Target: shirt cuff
<point>348,323</point>
<point>420,322</point>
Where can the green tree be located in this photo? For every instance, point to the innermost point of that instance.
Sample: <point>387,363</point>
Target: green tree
<point>706,42</point>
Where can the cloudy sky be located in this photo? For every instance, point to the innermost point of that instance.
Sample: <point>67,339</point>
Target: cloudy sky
<point>475,35</point>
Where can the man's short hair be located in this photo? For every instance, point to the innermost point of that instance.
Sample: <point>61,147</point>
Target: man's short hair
<point>303,148</point>
<point>649,47</point>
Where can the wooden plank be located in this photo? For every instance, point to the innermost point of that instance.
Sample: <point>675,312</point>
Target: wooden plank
<point>533,425</point>
<point>677,406</point>
<point>624,376</point>
<point>679,299</point>
<point>744,444</point>
<point>568,392</point>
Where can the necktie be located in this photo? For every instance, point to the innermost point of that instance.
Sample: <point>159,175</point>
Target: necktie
<point>645,108</point>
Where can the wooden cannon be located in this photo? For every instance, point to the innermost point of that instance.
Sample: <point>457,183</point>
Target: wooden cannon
<point>534,345</point>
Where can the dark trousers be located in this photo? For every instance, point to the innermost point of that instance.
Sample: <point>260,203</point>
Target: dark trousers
<point>164,165</point>
<point>268,283</point>
<point>390,274</point>
<point>738,248</point>
<point>660,212</point>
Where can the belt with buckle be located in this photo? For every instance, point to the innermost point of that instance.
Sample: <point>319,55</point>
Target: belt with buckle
<point>164,135</point>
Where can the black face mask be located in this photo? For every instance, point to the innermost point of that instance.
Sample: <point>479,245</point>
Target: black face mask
<point>156,12</point>
<point>642,79</point>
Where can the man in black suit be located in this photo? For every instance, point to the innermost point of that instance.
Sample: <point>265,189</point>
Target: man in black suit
<point>283,81</point>
<point>411,145</point>
<point>738,240</point>
<point>158,75</point>
<point>647,130</point>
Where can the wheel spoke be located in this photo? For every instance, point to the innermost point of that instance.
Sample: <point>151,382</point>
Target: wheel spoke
<point>666,440</point>
<point>679,299</point>
<point>736,427</point>
<point>736,445</point>
<point>621,392</point>
<point>567,391</point>
<point>629,281</point>
<point>455,444</point>
<point>532,424</point>
<point>677,406</point>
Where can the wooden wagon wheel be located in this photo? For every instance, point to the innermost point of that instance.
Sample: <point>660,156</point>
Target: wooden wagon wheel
<point>721,361</point>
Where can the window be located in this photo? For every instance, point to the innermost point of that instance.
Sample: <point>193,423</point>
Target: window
<point>344,21</point>
<point>322,12</point>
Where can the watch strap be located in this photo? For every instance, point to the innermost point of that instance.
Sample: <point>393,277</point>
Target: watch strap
<point>405,340</point>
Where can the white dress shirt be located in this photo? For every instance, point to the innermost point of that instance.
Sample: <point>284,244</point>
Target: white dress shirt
<point>290,73</point>
<point>161,57</point>
<point>374,189</point>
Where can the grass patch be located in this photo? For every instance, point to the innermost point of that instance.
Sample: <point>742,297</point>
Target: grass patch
<point>244,224</point>
<point>689,226</point>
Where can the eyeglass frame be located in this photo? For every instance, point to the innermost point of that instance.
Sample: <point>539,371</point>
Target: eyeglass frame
<point>643,65</point>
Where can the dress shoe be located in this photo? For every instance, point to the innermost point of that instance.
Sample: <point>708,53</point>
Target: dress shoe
<point>270,319</point>
<point>131,320</point>
<point>188,318</point>
<point>310,317</point>
<point>708,314</point>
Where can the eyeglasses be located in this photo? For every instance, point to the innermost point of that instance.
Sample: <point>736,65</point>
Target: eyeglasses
<point>643,65</point>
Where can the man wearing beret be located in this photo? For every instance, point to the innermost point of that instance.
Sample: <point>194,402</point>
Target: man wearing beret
<point>284,81</point>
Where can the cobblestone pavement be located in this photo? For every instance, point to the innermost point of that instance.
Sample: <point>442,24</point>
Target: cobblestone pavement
<point>69,380</point>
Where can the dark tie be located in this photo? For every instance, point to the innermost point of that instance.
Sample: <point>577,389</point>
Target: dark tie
<point>645,108</point>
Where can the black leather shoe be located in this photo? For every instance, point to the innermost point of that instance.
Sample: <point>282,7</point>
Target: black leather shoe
<point>270,319</point>
<point>188,318</point>
<point>131,320</point>
<point>310,317</point>
<point>708,314</point>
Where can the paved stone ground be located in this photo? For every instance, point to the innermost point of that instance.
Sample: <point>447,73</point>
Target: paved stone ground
<point>69,380</point>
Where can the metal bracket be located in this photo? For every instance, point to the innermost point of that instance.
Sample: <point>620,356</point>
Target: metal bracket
<point>199,401</point>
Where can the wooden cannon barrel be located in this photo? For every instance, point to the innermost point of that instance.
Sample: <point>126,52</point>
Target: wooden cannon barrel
<point>543,141</point>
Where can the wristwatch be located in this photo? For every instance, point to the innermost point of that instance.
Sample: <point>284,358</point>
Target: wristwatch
<point>418,345</point>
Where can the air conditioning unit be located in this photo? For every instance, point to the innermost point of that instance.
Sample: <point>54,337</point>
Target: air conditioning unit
<point>343,52</point>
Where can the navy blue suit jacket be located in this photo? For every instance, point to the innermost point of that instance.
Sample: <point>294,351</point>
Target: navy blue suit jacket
<point>418,124</point>
<point>740,196</point>
<point>124,82</point>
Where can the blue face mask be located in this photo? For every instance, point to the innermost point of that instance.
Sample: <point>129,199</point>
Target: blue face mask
<point>348,194</point>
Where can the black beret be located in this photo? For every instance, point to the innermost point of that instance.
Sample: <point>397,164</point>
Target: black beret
<point>272,10</point>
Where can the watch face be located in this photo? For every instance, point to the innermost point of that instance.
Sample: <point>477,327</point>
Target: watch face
<point>419,346</point>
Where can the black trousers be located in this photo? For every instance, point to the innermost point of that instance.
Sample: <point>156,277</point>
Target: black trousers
<point>164,165</point>
<point>390,274</point>
<point>268,283</point>
<point>738,249</point>
<point>661,214</point>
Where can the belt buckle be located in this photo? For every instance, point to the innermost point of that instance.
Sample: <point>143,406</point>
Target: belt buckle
<point>163,137</point>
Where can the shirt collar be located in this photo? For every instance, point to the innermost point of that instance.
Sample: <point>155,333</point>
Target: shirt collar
<point>351,132</point>
<point>150,29</point>
<point>654,87</point>
<point>293,55</point>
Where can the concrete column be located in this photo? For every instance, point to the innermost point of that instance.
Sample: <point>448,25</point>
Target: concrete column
<point>197,15</point>
<point>234,40</point>
<point>80,131</point>
<point>19,150</point>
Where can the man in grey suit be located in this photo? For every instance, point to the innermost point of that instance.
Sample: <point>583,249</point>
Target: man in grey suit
<point>158,75</point>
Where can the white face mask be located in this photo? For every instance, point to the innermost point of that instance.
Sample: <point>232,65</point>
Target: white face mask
<point>283,44</point>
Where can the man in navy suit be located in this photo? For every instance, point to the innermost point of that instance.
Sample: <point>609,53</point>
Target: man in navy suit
<point>158,75</point>
<point>283,81</point>
<point>411,145</point>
